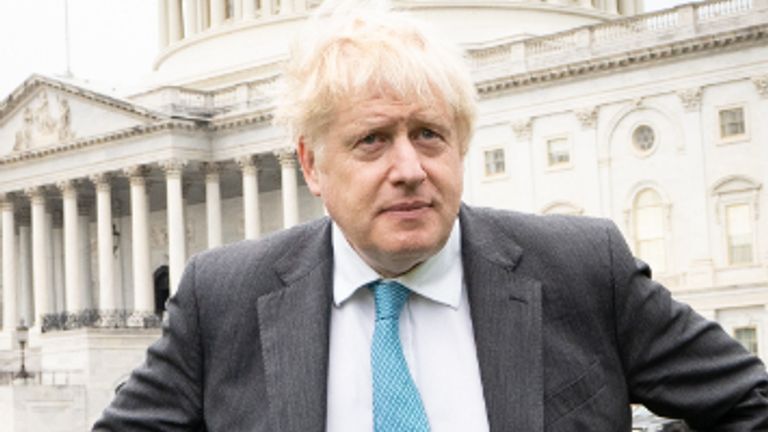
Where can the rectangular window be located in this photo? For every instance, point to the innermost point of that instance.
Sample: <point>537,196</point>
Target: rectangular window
<point>494,163</point>
<point>732,122</point>
<point>739,233</point>
<point>558,152</point>
<point>748,337</point>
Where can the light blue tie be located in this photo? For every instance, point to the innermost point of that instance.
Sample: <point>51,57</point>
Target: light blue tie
<point>396,402</point>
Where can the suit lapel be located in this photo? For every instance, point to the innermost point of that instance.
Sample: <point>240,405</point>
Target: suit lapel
<point>293,323</point>
<point>506,316</point>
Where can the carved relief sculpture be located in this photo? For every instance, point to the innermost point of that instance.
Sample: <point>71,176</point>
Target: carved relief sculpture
<point>40,127</point>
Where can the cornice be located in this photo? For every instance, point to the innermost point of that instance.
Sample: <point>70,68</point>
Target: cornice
<point>630,58</point>
<point>262,118</point>
<point>131,132</point>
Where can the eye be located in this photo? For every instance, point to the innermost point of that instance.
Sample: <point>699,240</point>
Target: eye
<point>369,139</point>
<point>427,134</point>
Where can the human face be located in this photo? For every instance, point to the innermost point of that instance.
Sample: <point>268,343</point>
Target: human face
<point>390,175</point>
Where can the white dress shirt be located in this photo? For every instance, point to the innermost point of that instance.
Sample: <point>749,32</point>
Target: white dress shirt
<point>436,334</point>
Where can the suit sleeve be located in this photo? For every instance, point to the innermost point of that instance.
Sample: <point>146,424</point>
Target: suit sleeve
<point>677,363</point>
<point>165,392</point>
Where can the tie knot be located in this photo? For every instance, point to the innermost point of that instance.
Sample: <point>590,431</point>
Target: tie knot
<point>389,297</point>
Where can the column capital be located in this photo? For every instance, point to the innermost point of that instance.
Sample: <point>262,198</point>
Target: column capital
<point>761,83</point>
<point>173,167</point>
<point>690,98</point>
<point>587,117</point>
<point>7,201</point>
<point>68,188</point>
<point>211,167</point>
<point>36,194</point>
<point>247,164</point>
<point>211,170</point>
<point>286,156</point>
<point>136,174</point>
<point>101,181</point>
<point>523,128</point>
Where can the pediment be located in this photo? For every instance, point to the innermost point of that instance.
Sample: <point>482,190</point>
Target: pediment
<point>47,113</point>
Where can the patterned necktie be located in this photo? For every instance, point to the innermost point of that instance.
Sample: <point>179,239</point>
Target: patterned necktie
<point>397,405</point>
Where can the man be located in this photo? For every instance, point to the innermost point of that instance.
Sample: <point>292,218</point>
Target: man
<point>406,310</point>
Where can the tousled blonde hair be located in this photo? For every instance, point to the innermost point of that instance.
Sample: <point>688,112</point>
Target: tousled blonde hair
<point>344,56</point>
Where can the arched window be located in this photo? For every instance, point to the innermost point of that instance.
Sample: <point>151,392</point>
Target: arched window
<point>650,245</point>
<point>562,207</point>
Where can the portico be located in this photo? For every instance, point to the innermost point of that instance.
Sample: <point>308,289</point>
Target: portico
<point>123,212</point>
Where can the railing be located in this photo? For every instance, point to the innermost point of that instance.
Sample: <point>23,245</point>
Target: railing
<point>53,378</point>
<point>615,36</point>
<point>722,8</point>
<point>93,318</point>
<point>177,100</point>
<point>644,25</point>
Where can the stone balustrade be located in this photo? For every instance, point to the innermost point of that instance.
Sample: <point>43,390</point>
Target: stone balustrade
<point>680,23</point>
<point>177,100</point>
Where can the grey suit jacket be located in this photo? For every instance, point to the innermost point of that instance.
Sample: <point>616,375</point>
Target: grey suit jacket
<point>569,331</point>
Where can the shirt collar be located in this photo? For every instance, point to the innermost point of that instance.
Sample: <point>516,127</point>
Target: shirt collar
<point>440,278</point>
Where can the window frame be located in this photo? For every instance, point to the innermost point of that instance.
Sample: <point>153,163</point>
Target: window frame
<point>731,191</point>
<point>484,162</point>
<point>719,128</point>
<point>657,135</point>
<point>665,228</point>
<point>561,165</point>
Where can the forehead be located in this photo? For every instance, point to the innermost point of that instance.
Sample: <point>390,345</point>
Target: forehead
<point>374,109</point>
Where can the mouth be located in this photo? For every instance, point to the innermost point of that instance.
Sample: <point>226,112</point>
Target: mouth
<point>405,207</point>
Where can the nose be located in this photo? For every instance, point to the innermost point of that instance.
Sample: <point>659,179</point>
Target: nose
<point>406,163</point>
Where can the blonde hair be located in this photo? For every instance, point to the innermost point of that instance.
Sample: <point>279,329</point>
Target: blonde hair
<point>344,55</point>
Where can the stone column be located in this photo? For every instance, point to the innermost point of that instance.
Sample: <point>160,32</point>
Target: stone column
<point>249,8</point>
<point>213,204</point>
<point>25,269</point>
<point>144,294</point>
<point>202,15</point>
<point>10,313</point>
<point>175,24</point>
<point>84,208</point>
<point>190,17</point>
<point>587,140</point>
<point>627,7</point>
<point>522,167</point>
<point>57,244</point>
<point>40,270</point>
<point>289,186</point>
<point>237,10</point>
<point>697,238</point>
<point>105,242</point>
<point>266,8</point>
<point>218,12</point>
<point>250,196</point>
<point>612,6</point>
<point>162,24</point>
<point>286,7</point>
<point>72,277</point>
<point>177,251</point>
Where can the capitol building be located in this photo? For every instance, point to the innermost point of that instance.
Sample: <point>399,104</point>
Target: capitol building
<point>658,121</point>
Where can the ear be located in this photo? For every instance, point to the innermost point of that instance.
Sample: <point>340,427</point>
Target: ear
<point>308,163</point>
